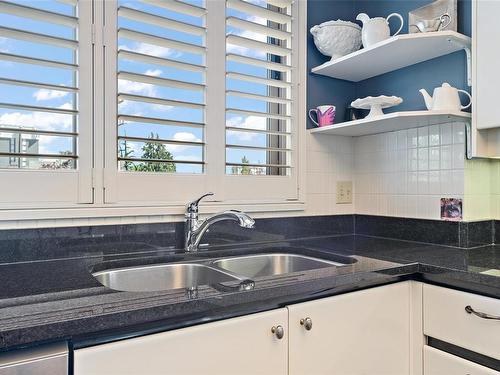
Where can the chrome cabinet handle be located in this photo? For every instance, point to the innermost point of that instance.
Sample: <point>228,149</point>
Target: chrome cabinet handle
<point>307,323</point>
<point>470,310</point>
<point>278,331</point>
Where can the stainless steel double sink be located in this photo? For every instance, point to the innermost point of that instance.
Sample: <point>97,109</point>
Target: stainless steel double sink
<point>238,271</point>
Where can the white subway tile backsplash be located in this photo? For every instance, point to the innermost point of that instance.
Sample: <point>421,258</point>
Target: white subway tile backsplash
<point>402,139</point>
<point>329,159</point>
<point>434,183</point>
<point>434,135</point>
<point>412,138</point>
<point>446,182</point>
<point>412,183</point>
<point>423,183</point>
<point>446,134</point>
<point>446,156</point>
<point>458,156</point>
<point>423,137</point>
<point>412,159</point>
<point>392,141</point>
<point>411,207</point>
<point>458,133</point>
<point>407,172</point>
<point>402,173</point>
<point>423,159</point>
<point>434,158</point>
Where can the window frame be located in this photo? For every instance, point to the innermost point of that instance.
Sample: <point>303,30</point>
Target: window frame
<point>61,188</point>
<point>103,175</point>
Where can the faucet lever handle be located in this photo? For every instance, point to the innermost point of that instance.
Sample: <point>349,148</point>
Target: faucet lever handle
<point>192,207</point>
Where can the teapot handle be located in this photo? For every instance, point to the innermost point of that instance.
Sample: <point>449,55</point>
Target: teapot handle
<point>400,19</point>
<point>470,99</point>
<point>445,21</point>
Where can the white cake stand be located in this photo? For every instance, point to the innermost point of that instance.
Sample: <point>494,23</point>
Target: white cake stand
<point>376,103</point>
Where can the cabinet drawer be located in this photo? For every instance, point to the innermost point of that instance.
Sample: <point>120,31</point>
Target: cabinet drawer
<point>446,319</point>
<point>437,362</point>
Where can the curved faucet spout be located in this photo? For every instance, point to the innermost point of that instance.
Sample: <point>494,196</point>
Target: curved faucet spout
<point>194,235</point>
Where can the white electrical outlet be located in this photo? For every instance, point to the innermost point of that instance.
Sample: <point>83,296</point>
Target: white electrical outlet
<point>344,192</point>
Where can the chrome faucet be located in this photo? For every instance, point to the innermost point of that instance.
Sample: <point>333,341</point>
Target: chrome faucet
<point>195,228</point>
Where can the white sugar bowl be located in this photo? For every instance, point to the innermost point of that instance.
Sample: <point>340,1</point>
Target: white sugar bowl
<point>337,38</point>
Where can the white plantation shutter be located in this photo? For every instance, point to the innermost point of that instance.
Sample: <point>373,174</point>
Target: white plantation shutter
<point>45,104</point>
<point>158,151</point>
<point>201,105</point>
<point>260,98</point>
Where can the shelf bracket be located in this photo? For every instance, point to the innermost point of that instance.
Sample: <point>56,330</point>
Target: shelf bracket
<point>468,57</point>
<point>468,140</point>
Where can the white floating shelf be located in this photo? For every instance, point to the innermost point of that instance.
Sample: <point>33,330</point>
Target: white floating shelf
<point>391,122</point>
<point>392,54</point>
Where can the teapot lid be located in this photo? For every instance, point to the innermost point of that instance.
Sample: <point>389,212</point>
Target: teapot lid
<point>445,84</point>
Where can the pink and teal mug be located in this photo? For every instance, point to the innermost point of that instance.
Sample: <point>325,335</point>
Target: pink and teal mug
<point>324,113</point>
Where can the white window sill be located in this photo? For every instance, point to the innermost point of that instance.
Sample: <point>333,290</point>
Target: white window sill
<point>77,215</point>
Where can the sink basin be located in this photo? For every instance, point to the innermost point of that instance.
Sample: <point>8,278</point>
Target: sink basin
<point>272,264</point>
<point>162,277</point>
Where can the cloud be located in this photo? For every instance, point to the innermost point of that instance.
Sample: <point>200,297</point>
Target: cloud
<point>154,73</point>
<point>185,137</point>
<point>132,87</point>
<point>44,144</point>
<point>4,44</point>
<point>149,49</point>
<point>45,94</point>
<point>188,157</point>
<point>248,122</point>
<point>231,48</point>
<point>40,120</point>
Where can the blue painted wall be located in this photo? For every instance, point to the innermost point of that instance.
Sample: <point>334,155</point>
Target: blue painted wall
<point>325,90</point>
<point>404,82</point>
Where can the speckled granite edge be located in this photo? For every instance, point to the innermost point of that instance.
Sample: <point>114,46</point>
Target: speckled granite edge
<point>460,234</point>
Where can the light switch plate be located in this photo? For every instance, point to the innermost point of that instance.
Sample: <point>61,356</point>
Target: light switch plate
<point>344,192</point>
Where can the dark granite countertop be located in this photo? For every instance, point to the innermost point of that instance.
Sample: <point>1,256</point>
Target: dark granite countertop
<point>58,299</point>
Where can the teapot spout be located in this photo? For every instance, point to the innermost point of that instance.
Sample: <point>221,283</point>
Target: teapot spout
<point>363,17</point>
<point>427,98</point>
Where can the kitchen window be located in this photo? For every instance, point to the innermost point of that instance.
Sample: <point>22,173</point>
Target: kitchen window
<point>162,101</point>
<point>45,103</point>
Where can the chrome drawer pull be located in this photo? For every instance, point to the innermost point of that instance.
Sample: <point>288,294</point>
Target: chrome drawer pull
<point>470,310</point>
<point>278,331</point>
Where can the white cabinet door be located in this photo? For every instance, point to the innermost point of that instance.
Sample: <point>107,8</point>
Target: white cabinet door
<point>359,333</point>
<point>485,130</point>
<point>437,362</point>
<point>485,63</point>
<point>243,345</point>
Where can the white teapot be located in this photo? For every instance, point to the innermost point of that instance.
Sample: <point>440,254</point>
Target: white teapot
<point>376,29</point>
<point>445,98</point>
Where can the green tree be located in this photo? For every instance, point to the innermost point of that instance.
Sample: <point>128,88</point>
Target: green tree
<point>245,169</point>
<point>156,151</point>
<point>242,169</point>
<point>125,152</point>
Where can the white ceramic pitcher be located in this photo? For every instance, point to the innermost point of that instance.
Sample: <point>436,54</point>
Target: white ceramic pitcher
<point>377,29</point>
